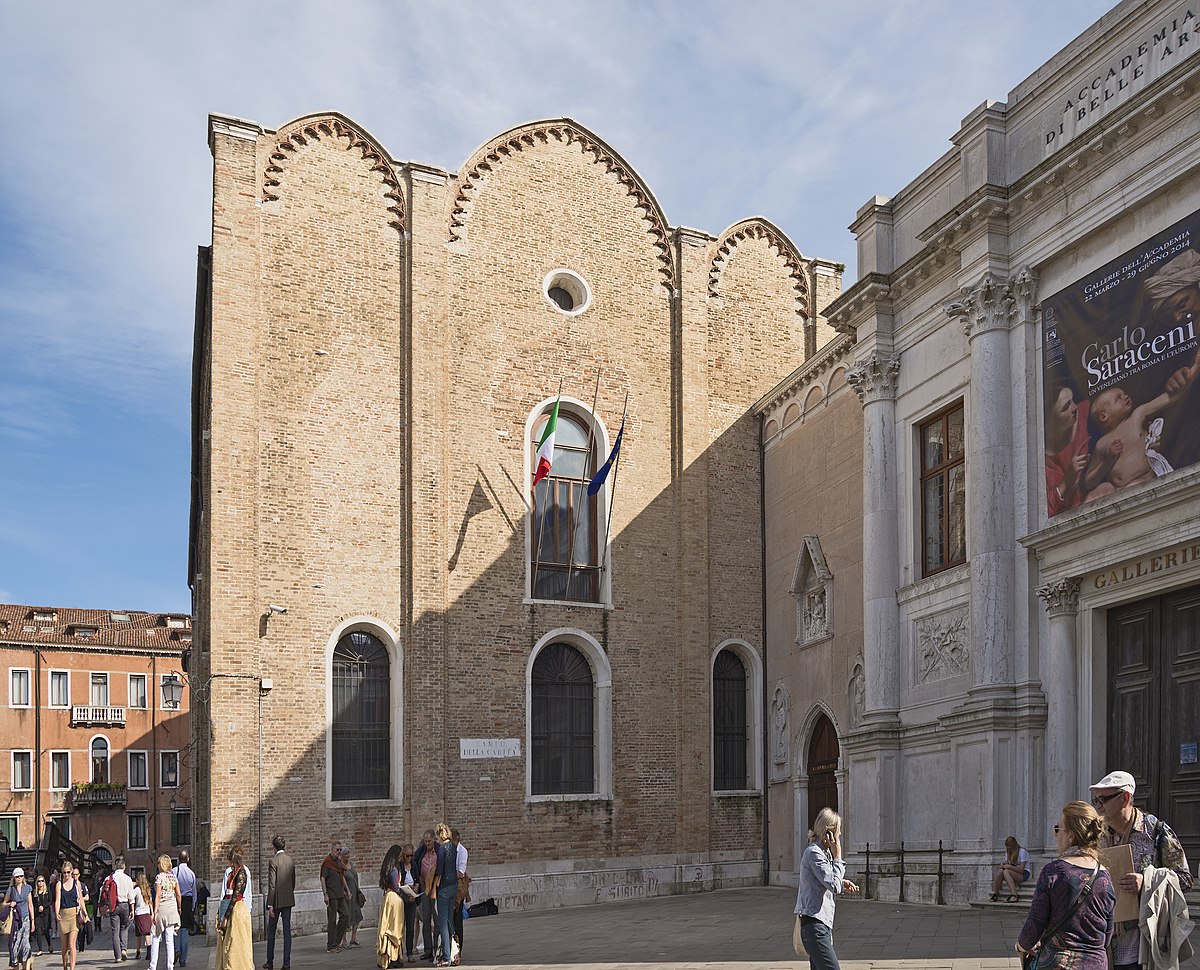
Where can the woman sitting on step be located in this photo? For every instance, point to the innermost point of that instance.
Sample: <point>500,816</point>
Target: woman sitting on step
<point>1013,871</point>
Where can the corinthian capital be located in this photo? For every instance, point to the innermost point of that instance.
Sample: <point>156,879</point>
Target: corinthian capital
<point>994,302</point>
<point>1061,598</point>
<point>875,378</point>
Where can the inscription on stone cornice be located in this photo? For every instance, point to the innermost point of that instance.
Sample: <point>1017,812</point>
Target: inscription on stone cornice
<point>1060,598</point>
<point>875,378</point>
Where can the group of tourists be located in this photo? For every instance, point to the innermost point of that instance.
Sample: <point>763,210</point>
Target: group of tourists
<point>1071,918</point>
<point>427,884</point>
<point>57,905</point>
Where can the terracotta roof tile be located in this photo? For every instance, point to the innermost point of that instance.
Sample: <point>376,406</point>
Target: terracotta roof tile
<point>147,631</point>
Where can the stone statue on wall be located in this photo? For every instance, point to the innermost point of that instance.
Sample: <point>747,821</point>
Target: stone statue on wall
<point>858,695</point>
<point>779,725</point>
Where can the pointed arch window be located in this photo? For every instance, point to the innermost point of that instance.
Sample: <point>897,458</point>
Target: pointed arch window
<point>562,739</point>
<point>362,730</point>
<point>730,729</point>
<point>566,538</point>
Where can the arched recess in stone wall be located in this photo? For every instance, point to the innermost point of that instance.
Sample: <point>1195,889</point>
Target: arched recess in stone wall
<point>298,134</point>
<point>473,176</point>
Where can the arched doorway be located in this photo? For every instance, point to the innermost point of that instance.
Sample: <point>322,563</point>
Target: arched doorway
<point>823,755</point>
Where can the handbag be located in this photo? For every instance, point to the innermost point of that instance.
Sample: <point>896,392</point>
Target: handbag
<point>360,898</point>
<point>797,939</point>
<point>6,923</point>
<point>1029,958</point>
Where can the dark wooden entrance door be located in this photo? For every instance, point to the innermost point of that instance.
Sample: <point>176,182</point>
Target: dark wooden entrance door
<point>1154,707</point>
<point>823,755</point>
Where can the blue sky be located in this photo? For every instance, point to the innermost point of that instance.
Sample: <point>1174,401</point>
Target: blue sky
<point>797,111</point>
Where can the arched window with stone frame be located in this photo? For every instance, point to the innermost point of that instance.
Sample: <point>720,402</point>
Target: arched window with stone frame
<point>360,753</point>
<point>737,718</point>
<point>99,751</point>
<point>566,527</point>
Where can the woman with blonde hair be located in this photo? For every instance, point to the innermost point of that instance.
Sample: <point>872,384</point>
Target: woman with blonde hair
<point>445,887</point>
<point>68,913</point>
<point>164,912</point>
<point>1014,870</point>
<point>822,875</point>
<point>1070,920</point>
<point>234,942</point>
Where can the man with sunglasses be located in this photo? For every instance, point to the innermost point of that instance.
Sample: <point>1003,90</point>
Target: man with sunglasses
<point>1152,843</point>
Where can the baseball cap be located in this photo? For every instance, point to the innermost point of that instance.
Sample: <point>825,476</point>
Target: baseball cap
<point>1117,779</point>
<point>18,872</point>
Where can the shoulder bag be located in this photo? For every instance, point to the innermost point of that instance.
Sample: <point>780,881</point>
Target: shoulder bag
<point>6,923</point>
<point>1029,958</point>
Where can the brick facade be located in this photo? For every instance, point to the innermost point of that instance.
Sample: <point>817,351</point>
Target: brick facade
<point>54,709</point>
<point>373,344</point>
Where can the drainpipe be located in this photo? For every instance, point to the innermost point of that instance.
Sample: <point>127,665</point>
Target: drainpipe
<point>762,545</point>
<point>37,744</point>
<point>155,700</point>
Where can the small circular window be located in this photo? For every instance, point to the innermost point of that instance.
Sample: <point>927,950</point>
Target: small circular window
<point>567,292</point>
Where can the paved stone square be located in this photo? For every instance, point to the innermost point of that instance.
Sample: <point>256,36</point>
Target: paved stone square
<point>730,928</point>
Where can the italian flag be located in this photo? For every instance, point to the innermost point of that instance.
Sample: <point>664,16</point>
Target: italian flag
<point>545,452</point>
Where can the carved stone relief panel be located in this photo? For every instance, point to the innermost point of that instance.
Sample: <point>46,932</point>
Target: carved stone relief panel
<point>780,735</point>
<point>812,586</point>
<point>942,645</point>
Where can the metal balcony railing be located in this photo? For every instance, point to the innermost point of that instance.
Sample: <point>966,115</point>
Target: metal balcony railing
<point>97,793</point>
<point>113,716</point>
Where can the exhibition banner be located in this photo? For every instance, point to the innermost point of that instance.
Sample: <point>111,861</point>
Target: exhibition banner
<point>1121,403</point>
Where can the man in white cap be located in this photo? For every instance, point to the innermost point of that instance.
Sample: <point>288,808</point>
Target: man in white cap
<point>1152,843</point>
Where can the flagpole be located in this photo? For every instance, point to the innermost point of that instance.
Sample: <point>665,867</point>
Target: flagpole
<point>537,552</point>
<point>612,495</point>
<point>587,464</point>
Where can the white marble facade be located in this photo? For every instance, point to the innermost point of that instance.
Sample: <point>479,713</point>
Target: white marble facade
<point>978,704</point>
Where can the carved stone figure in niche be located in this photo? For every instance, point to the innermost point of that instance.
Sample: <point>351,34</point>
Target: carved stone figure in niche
<point>858,695</point>
<point>812,586</point>
<point>814,614</point>
<point>779,723</point>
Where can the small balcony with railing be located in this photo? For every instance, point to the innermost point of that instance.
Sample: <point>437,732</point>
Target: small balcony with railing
<point>97,793</point>
<point>94,716</point>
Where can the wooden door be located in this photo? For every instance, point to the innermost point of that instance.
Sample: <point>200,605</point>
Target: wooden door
<point>823,753</point>
<point>1154,707</point>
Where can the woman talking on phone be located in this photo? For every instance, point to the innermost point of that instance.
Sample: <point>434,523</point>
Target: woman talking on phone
<point>822,873</point>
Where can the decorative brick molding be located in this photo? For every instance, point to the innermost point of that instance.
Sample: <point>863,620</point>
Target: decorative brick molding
<point>783,247</point>
<point>495,152</point>
<point>297,135</point>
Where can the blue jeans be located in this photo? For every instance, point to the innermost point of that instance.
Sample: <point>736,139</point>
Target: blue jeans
<point>272,921</point>
<point>445,910</point>
<point>818,941</point>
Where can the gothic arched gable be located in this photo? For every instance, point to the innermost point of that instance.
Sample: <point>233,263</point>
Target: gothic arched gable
<point>474,178</point>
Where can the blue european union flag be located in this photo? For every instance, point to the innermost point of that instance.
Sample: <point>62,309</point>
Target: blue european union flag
<point>597,481</point>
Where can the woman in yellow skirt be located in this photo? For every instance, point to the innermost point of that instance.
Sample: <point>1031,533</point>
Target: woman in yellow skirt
<point>389,943</point>
<point>234,945</point>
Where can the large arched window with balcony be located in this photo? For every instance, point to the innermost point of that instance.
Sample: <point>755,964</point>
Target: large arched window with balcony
<point>100,760</point>
<point>362,729</point>
<point>566,538</point>
<point>562,722</point>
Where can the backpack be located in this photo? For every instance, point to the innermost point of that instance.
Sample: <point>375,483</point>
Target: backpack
<point>109,896</point>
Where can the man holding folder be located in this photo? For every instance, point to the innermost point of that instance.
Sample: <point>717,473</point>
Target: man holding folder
<point>1134,840</point>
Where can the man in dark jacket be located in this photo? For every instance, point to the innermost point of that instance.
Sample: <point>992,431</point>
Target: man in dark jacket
<point>281,897</point>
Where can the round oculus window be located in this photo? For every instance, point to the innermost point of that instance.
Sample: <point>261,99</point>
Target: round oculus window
<point>567,292</point>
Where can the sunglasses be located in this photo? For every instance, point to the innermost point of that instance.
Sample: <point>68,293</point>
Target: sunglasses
<point>1056,830</point>
<point>1101,799</point>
